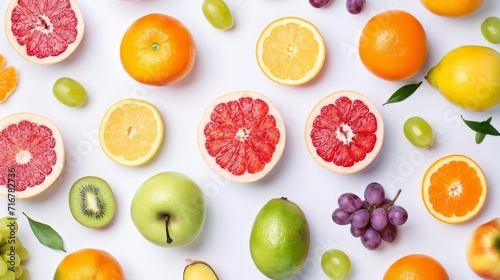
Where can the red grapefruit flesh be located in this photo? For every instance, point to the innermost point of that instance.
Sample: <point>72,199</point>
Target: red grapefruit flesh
<point>44,31</point>
<point>31,154</point>
<point>344,132</point>
<point>242,136</point>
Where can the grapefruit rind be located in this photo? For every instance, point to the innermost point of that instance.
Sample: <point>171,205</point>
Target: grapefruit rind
<point>304,24</point>
<point>210,160</point>
<point>426,183</point>
<point>155,145</point>
<point>316,111</point>
<point>21,49</point>
<point>56,169</point>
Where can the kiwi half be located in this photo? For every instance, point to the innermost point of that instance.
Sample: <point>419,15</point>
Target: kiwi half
<point>92,202</point>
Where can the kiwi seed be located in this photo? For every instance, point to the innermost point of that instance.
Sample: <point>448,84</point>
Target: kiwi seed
<point>92,202</point>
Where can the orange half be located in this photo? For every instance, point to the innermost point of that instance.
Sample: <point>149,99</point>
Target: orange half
<point>454,189</point>
<point>8,79</point>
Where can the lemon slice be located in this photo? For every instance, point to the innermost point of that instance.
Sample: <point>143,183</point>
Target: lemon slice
<point>131,131</point>
<point>290,51</point>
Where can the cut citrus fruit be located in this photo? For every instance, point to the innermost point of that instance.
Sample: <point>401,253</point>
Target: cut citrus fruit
<point>44,31</point>
<point>454,189</point>
<point>131,131</point>
<point>344,132</point>
<point>290,51</point>
<point>31,154</point>
<point>8,79</point>
<point>416,267</point>
<point>241,136</point>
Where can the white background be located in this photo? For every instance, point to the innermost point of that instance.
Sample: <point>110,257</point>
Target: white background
<point>226,62</point>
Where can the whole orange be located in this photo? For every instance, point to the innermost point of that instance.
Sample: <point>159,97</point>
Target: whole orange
<point>393,45</point>
<point>452,8</point>
<point>416,267</point>
<point>87,264</point>
<point>157,50</point>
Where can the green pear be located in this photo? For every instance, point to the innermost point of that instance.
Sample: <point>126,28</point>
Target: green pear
<point>279,242</point>
<point>468,77</point>
<point>169,209</point>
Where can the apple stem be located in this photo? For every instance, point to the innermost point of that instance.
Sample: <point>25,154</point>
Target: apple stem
<point>169,239</point>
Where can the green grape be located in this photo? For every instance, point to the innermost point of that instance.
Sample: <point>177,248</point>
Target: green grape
<point>69,92</point>
<point>7,225</point>
<point>9,275</point>
<point>25,273</point>
<point>418,132</point>
<point>491,29</point>
<point>336,264</point>
<point>18,272</point>
<point>12,260</point>
<point>218,14</point>
<point>22,252</point>
<point>10,244</point>
<point>3,267</point>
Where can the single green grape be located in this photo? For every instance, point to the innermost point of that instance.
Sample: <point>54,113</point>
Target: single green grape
<point>218,14</point>
<point>491,29</point>
<point>18,272</point>
<point>8,275</point>
<point>22,252</point>
<point>418,132</point>
<point>10,244</point>
<point>7,225</point>
<point>25,275</point>
<point>12,260</point>
<point>336,264</point>
<point>69,92</point>
<point>3,267</point>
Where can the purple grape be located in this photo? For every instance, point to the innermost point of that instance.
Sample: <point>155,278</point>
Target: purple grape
<point>374,194</point>
<point>358,232</point>
<point>397,215</point>
<point>378,219</point>
<point>319,3</point>
<point>389,233</point>
<point>341,217</point>
<point>350,202</point>
<point>354,6</point>
<point>360,218</point>
<point>386,203</point>
<point>371,239</point>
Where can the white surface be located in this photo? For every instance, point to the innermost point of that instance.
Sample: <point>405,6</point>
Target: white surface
<point>226,62</point>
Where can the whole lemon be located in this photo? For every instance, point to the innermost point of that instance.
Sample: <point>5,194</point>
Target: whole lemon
<point>469,77</point>
<point>279,241</point>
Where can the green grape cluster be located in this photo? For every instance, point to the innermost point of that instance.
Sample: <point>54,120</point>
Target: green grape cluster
<point>12,252</point>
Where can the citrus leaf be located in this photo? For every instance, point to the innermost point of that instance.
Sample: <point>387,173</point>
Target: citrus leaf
<point>46,234</point>
<point>480,136</point>
<point>483,127</point>
<point>403,92</point>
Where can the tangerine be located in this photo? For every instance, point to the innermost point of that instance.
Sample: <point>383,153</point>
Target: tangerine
<point>452,8</point>
<point>393,45</point>
<point>89,263</point>
<point>416,267</point>
<point>8,79</point>
<point>157,50</point>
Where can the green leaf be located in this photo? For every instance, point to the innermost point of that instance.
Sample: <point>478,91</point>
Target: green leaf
<point>482,127</point>
<point>480,136</point>
<point>46,234</point>
<point>403,92</point>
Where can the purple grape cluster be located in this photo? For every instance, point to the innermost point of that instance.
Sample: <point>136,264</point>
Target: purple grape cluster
<point>374,219</point>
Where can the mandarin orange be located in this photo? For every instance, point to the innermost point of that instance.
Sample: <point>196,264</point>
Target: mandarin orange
<point>452,8</point>
<point>87,264</point>
<point>393,45</point>
<point>8,79</point>
<point>416,267</point>
<point>157,50</point>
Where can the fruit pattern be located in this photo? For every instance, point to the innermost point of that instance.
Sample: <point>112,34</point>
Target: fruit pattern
<point>217,14</point>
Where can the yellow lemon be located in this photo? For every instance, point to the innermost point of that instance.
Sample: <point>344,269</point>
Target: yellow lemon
<point>469,77</point>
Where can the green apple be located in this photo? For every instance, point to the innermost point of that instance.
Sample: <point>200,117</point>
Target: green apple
<point>169,209</point>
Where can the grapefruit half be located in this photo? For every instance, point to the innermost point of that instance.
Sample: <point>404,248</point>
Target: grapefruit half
<point>31,154</point>
<point>241,136</point>
<point>344,132</point>
<point>44,31</point>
